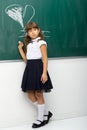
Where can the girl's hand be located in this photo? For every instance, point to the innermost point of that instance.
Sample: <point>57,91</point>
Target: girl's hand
<point>44,78</point>
<point>20,45</point>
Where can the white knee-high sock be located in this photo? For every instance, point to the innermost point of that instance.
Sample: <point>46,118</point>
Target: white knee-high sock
<point>45,110</point>
<point>41,108</point>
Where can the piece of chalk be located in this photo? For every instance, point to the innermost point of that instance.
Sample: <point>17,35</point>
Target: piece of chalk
<point>19,41</point>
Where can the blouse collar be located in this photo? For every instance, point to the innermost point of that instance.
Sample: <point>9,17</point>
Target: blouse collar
<point>35,40</point>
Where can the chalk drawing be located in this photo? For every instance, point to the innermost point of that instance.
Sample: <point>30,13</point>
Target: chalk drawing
<point>46,33</point>
<point>17,13</point>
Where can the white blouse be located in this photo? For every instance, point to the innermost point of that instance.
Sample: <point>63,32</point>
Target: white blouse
<point>33,49</point>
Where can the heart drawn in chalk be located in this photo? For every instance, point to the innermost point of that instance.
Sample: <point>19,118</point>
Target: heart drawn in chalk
<point>23,15</point>
<point>20,14</point>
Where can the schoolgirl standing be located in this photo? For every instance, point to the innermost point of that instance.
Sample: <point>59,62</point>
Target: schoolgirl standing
<point>36,79</point>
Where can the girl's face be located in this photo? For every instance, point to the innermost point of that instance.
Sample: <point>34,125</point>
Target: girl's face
<point>33,33</point>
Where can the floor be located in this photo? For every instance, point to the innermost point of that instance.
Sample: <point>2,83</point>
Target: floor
<point>79,123</point>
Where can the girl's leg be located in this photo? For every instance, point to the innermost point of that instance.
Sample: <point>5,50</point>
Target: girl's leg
<point>31,96</point>
<point>39,97</point>
<point>40,106</point>
<point>38,100</point>
<point>43,113</point>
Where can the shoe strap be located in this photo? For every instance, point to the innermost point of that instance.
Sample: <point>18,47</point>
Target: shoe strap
<point>40,121</point>
<point>45,115</point>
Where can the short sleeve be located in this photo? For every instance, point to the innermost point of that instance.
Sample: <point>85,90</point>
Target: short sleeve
<point>42,42</point>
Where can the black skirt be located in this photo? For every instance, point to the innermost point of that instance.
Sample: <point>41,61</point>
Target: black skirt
<point>32,77</point>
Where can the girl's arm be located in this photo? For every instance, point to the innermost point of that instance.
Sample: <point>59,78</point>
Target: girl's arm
<point>45,63</point>
<point>20,47</point>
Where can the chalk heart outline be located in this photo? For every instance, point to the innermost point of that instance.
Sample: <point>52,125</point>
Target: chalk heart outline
<point>18,13</point>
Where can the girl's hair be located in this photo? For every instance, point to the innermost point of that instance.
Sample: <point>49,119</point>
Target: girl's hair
<point>27,39</point>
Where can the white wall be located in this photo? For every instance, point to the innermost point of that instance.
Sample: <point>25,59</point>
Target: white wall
<point>68,98</point>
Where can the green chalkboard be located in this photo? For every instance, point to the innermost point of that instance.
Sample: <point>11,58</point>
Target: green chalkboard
<point>63,23</point>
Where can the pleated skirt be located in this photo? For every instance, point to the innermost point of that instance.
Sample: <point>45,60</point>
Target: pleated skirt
<point>32,77</point>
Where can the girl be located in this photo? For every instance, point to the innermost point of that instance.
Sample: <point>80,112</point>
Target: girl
<point>36,79</point>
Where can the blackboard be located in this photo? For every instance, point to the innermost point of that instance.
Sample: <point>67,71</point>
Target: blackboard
<point>63,23</point>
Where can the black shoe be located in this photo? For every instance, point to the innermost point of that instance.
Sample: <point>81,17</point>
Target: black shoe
<point>38,125</point>
<point>48,117</point>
